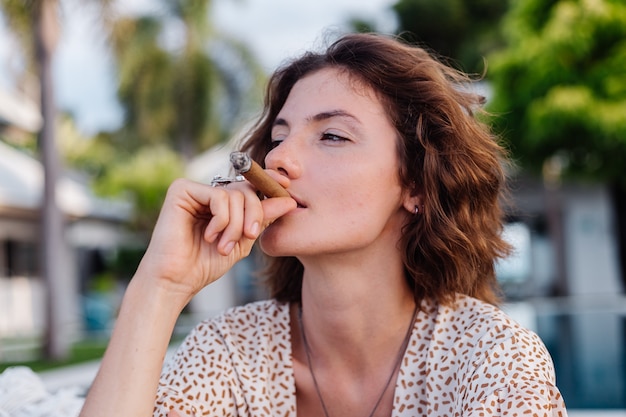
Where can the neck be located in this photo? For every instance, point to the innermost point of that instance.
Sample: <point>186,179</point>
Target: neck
<point>380,399</point>
<point>357,313</point>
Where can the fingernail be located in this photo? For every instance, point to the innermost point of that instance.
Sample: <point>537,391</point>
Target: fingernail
<point>255,228</point>
<point>229,247</point>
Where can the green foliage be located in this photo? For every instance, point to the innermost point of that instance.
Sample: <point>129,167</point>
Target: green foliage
<point>177,100</point>
<point>179,96</point>
<point>145,176</point>
<point>145,74</point>
<point>19,18</point>
<point>361,25</point>
<point>464,30</point>
<point>560,86</point>
<point>142,174</point>
<point>89,155</point>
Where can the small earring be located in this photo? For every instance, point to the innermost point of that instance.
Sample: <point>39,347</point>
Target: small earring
<point>417,210</point>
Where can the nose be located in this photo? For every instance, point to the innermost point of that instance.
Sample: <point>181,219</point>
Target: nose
<point>285,158</point>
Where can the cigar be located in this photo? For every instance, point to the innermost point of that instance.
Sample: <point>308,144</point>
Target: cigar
<point>252,171</point>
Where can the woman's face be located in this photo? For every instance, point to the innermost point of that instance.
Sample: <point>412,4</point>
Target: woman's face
<point>333,140</point>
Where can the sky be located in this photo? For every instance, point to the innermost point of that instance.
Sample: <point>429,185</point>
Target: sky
<point>274,29</point>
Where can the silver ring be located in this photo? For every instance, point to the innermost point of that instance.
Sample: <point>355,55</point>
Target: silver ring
<point>220,181</point>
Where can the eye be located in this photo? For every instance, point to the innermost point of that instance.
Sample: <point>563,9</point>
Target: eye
<point>277,136</point>
<point>331,137</point>
<point>274,143</point>
<point>276,139</point>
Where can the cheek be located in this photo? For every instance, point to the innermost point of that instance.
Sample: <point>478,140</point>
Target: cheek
<point>357,192</point>
<point>358,211</point>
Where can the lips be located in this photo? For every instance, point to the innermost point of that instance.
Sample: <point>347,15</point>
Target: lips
<point>300,203</point>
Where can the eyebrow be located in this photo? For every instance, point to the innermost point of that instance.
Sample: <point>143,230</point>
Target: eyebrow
<point>320,117</point>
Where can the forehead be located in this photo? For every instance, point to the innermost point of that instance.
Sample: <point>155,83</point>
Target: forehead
<point>332,88</point>
<point>336,77</point>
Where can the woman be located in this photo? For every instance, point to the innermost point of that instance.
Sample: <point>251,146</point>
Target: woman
<point>381,262</point>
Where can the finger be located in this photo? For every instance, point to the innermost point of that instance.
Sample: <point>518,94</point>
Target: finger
<point>234,230</point>
<point>253,215</point>
<point>220,214</point>
<point>252,209</point>
<point>190,195</point>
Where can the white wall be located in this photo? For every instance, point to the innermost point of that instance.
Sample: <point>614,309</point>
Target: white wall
<point>590,242</point>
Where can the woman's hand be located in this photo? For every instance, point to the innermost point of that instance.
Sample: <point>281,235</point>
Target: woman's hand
<point>200,234</point>
<point>202,231</point>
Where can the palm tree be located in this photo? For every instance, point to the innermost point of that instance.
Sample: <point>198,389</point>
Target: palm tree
<point>178,99</point>
<point>186,97</point>
<point>36,24</point>
<point>55,250</point>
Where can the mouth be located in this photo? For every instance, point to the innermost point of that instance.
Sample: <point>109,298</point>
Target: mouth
<point>300,203</point>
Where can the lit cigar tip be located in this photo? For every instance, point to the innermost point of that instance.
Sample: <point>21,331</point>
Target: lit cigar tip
<point>240,161</point>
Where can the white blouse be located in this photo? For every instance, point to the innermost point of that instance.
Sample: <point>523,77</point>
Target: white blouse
<point>466,360</point>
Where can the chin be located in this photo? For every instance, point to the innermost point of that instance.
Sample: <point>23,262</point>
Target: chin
<point>271,244</point>
<point>281,244</point>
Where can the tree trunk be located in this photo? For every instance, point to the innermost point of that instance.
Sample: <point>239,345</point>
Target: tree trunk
<point>54,252</point>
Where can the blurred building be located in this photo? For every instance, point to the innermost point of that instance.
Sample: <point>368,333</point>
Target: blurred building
<point>564,281</point>
<point>93,226</point>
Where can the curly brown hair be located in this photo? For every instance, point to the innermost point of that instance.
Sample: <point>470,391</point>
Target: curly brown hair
<point>447,154</point>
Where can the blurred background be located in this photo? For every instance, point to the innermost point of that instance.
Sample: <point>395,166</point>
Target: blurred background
<point>103,103</point>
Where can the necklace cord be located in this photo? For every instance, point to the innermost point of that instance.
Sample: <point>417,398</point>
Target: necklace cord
<point>397,362</point>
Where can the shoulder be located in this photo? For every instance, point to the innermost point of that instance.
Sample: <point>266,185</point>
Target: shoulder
<point>480,341</point>
<point>255,322</point>
<point>245,320</point>
<point>266,312</point>
<point>500,358</point>
<point>224,358</point>
<point>470,311</point>
<point>244,329</point>
<point>235,331</point>
<point>475,321</point>
<point>496,328</point>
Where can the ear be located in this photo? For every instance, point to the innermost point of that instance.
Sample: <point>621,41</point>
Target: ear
<point>409,202</point>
